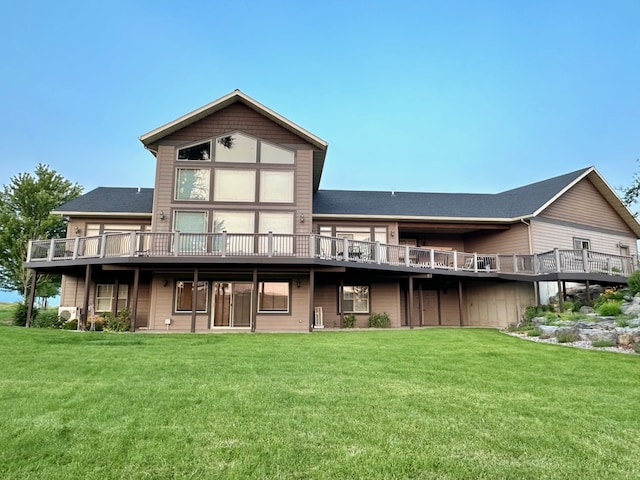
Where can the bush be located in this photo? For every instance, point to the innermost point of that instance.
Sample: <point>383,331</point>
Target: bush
<point>609,309</point>
<point>117,323</point>
<point>20,314</point>
<point>534,332</point>
<point>568,306</point>
<point>602,343</point>
<point>48,319</point>
<point>99,323</point>
<point>379,320</point>
<point>565,336</point>
<point>70,325</point>
<point>349,320</point>
<point>634,282</point>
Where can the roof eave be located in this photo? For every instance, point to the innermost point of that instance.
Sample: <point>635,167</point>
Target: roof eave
<point>75,213</point>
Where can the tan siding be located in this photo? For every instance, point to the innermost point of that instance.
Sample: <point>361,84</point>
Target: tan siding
<point>449,306</point>
<point>298,320</point>
<point>144,293</point>
<point>514,240</point>
<point>326,296</point>
<point>163,192</point>
<point>494,304</point>
<point>584,204</point>
<point>304,188</point>
<point>162,304</point>
<point>385,297</point>
<point>547,236</point>
<point>236,117</point>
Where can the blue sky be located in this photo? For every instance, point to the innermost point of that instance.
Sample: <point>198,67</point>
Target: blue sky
<point>457,96</point>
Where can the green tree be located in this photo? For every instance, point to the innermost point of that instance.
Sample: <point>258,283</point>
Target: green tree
<point>25,214</point>
<point>631,193</point>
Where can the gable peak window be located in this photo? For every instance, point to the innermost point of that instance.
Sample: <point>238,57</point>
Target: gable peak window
<point>200,151</point>
<point>236,148</point>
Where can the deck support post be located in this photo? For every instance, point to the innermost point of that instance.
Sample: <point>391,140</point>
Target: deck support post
<point>254,300</point>
<point>421,304</point>
<point>312,281</point>
<point>32,296</point>
<point>460,303</point>
<point>341,303</point>
<point>588,288</point>
<point>194,299</point>
<point>560,296</point>
<point>116,288</point>
<point>410,301</point>
<point>82,322</point>
<point>134,300</point>
<point>439,308</point>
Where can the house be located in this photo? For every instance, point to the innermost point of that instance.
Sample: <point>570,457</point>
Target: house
<point>237,235</point>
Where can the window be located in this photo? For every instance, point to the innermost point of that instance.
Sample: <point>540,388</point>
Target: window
<point>234,185</point>
<point>191,222</point>
<point>273,297</point>
<point>276,186</point>
<point>355,299</point>
<point>234,223</point>
<point>272,154</point>
<point>184,292</point>
<point>201,151</point>
<point>105,297</point>
<point>192,184</point>
<point>236,148</point>
<point>278,223</point>
<point>581,243</point>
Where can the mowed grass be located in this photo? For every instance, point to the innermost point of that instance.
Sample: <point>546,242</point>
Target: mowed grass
<point>432,404</point>
<point>7,311</point>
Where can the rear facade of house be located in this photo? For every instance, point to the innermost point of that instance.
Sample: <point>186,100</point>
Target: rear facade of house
<point>237,235</point>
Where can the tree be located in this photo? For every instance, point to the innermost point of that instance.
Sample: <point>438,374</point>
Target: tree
<point>631,193</point>
<point>25,214</point>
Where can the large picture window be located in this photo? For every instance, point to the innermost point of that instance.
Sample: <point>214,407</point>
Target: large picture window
<point>355,299</point>
<point>184,296</point>
<point>192,184</point>
<point>273,154</point>
<point>105,296</point>
<point>234,185</point>
<point>276,186</point>
<point>273,297</point>
<point>236,148</point>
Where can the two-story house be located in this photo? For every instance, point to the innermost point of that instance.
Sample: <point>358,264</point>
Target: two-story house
<point>238,235</point>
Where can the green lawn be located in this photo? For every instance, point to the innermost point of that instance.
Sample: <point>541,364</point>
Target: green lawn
<point>6,312</point>
<point>434,403</point>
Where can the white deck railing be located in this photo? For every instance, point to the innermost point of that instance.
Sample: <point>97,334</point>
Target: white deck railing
<point>137,244</point>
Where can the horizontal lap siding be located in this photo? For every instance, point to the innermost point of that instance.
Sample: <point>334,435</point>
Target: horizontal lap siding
<point>304,188</point>
<point>513,240</point>
<point>585,205</point>
<point>497,304</point>
<point>385,298</point>
<point>548,236</point>
<point>163,193</point>
<point>449,306</point>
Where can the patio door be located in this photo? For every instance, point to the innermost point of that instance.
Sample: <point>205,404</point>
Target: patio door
<point>231,304</point>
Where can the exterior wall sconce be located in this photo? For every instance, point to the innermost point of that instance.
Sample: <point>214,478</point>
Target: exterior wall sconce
<point>392,233</point>
<point>161,215</point>
<point>77,230</point>
<point>302,218</point>
<point>297,283</point>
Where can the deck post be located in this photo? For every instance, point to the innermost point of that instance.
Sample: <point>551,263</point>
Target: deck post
<point>312,281</point>
<point>455,260</point>
<point>475,262</point>
<point>421,304</point>
<point>194,299</point>
<point>254,299</point>
<point>410,309</point>
<point>432,258</point>
<point>32,296</point>
<point>341,303</point>
<point>460,302</point>
<point>439,308</point>
<point>132,244</point>
<point>585,260</point>
<point>515,263</point>
<point>560,296</point>
<point>270,244</point>
<point>588,288</point>
<point>52,249</point>
<point>76,247</point>
<point>556,254</point>
<point>407,260</point>
<point>378,253</point>
<point>116,287</point>
<point>345,249</point>
<point>176,244</point>
<point>103,246</point>
<point>82,322</point>
<point>134,300</point>
<point>312,246</point>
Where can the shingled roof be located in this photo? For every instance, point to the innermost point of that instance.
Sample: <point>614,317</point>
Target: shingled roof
<point>511,204</point>
<point>110,201</point>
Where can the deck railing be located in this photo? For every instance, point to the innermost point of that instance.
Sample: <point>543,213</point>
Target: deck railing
<point>147,244</point>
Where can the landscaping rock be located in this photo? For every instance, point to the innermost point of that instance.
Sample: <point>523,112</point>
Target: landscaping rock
<point>548,329</point>
<point>598,335</point>
<point>631,308</point>
<point>625,339</point>
<point>586,310</point>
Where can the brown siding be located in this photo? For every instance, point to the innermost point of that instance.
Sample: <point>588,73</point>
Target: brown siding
<point>163,192</point>
<point>385,297</point>
<point>304,188</point>
<point>494,304</point>
<point>298,320</point>
<point>584,204</point>
<point>449,306</point>
<point>514,240</point>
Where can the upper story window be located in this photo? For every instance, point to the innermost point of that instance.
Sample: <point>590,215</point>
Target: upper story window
<point>581,244</point>
<point>272,154</point>
<point>192,184</point>
<point>234,185</point>
<point>276,186</point>
<point>236,148</point>
<point>201,151</point>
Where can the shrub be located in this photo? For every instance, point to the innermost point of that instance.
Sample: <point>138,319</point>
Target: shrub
<point>117,323</point>
<point>602,343</point>
<point>634,282</point>
<point>610,309</point>
<point>48,319</point>
<point>611,294</point>
<point>568,306</point>
<point>379,320</point>
<point>20,314</point>
<point>534,332</point>
<point>70,325</point>
<point>622,322</point>
<point>565,336</point>
<point>349,320</point>
<point>99,323</point>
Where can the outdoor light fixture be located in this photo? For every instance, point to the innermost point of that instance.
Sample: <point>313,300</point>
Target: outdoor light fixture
<point>297,282</point>
<point>302,218</point>
<point>161,215</point>
<point>77,230</point>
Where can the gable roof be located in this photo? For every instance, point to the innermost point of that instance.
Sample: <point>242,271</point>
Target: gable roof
<point>505,207</point>
<point>110,201</point>
<point>150,139</point>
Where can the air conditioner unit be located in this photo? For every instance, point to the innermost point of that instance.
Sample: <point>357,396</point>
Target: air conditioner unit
<point>69,313</point>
